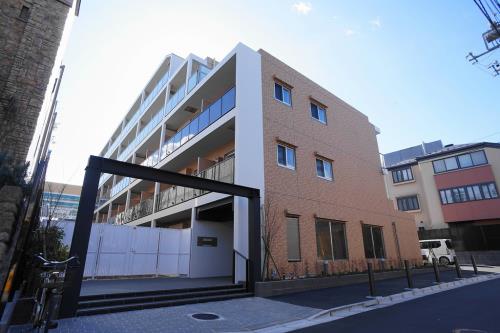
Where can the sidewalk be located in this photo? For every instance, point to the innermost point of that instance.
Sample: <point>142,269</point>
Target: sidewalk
<point>238,315</point>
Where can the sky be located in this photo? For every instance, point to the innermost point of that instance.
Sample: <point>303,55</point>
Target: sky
<point>402,63</point>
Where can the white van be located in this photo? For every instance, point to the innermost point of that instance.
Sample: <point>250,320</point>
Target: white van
<point>441,249</point>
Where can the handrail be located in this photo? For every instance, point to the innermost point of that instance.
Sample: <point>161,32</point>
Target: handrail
<point>247,268</point>
<point>239,253</point>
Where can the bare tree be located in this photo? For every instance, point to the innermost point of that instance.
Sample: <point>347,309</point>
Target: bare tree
<point>270,230</point>
<point>50,208</point>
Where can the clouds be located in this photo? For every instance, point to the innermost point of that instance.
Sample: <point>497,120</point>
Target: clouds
<point>302,7</point>
<point>376,23</point>
<point>350,32</point>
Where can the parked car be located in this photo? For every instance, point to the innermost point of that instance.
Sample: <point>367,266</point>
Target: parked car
<point>441,249</point>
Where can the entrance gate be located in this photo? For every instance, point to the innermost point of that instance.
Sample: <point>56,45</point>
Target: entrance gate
<point>81,235</point>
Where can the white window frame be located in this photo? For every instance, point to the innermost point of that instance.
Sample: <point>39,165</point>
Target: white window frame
<point>324,161</point>
<point>287,165</point>
<point>319,108</point>
<point>282,88</point>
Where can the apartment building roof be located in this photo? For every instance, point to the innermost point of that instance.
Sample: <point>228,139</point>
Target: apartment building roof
<point>449,149</point>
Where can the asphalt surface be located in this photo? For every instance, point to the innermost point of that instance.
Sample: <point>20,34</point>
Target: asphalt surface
<point>337,296</point>
<point>470,309</point>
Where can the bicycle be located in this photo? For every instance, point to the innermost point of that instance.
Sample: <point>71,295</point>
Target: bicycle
<point>48,295</point>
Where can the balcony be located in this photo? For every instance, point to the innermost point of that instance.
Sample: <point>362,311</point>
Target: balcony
<point>120,186</point>
<point>211,114</point>
<point>140,111</point>
<point>222,171</point>
<point>142,209</point>
<point>197,77</point>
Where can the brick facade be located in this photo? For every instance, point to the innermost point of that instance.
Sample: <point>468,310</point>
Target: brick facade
<point>30,33</point>
<point>356,195</point>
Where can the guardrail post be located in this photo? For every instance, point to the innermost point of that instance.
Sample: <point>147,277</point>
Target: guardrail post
<point>371,279</point>
<point>409,278</point>
<point>457,267</point>
<point>436,270</point>
<point>473,261</point>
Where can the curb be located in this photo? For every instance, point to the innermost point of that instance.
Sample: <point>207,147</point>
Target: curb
<point>372,304</point>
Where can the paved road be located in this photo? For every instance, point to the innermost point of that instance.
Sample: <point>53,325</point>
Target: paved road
<point>464,310</point>
<point>337,296</point>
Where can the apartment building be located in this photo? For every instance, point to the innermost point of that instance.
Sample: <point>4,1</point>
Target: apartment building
<point>60,202</point>
<point>452,191</point>
<point>252,120</point>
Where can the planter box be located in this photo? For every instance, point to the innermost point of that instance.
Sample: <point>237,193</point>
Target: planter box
<point>282,287</point>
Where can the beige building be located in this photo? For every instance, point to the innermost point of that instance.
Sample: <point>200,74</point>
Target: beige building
<point>252,120</point>
<point>60,201</point>
<point>451,191</point>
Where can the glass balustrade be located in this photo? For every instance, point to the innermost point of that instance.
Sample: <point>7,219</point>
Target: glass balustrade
<point>120,186</point>
<point>211,114</point>
<point>222,171</point>
<point>196,77</point>
<point>140,111</point>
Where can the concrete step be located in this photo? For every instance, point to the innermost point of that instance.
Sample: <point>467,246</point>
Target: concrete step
<point>158,292</point>
<point>131,299</point>
<point>157,304</point>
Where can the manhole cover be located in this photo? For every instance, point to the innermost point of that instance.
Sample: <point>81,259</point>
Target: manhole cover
<point>205,316</point>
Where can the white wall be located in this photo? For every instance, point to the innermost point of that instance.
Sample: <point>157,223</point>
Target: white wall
<point>249,145</point>
<point>207,261</point>
<point>116,250</point>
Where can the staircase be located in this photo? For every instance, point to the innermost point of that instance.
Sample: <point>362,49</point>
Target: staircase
<point>100,304</point>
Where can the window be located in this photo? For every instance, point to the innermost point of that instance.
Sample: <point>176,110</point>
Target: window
<point>282,93</point>
<point>318,113</point>
<point>286,157</point>
<point>460,162</point>
<point>25,13</point>
<point>408,203</point>
<point>373,241</point>
<point>430,245</point>
<point>331,239</point>
<point>324,169</point>
<point>469,193</point>
<point>293,239</point>
<point>402,175</point>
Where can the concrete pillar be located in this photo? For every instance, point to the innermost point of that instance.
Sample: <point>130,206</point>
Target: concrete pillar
<point>156,196</point>
<point>110,210</point>
<point>127,201</point>
<point>188,74</point>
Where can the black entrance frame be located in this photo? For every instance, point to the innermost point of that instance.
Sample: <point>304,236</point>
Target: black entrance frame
<point>81,234</point>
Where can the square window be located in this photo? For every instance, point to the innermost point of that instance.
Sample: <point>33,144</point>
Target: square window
<point>478,157</point>
<point>439,166</point>
<point>451,163</point>
<point>465,160</point>
<point>324,169</point>
<point>318,113</point>
<point>286,157</point>
<point>282,94</point>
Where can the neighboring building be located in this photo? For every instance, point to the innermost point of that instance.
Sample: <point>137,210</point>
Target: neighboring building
<point>255,121</point>
<point>452,192</point>
<point>30,33</point>
<point>60,202</point>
